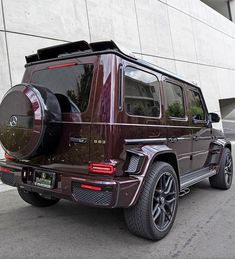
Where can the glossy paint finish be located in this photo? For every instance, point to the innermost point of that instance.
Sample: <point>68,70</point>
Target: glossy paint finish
<point>112,134</point>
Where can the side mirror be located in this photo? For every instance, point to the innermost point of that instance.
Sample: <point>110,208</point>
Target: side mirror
<point>213,117</point>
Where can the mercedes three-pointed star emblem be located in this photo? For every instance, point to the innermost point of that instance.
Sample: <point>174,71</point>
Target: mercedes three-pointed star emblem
<point>13,121</point>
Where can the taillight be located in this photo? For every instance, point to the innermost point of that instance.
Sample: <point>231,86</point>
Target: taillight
<point>4,170</point>
<point>102,169</point>
<point>8,157</point>
<point>62,65</point>
<point>91,187</point>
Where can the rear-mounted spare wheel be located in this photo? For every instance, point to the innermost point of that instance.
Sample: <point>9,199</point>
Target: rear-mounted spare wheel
<point>29,121</point>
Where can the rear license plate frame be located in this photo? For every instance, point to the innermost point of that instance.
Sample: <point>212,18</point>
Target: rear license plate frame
<point>44,179</point>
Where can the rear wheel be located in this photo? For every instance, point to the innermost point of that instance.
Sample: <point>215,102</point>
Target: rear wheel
<point>223,179</point>
<point>153,215</point>
<point>36,199</point>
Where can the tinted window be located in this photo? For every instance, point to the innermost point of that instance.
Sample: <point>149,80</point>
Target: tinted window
<point>175,100</point>
<point>72,83</point>
<point>195,106</point>
<point>142,96</point>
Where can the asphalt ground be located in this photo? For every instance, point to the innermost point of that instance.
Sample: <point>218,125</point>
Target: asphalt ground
<point>204,228</point>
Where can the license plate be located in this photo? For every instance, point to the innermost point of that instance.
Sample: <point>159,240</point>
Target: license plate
<point>44,179</point>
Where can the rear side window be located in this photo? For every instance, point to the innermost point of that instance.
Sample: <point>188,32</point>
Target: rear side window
<point>71,83</point>
<point>142,94</point>
<point>175,100</point>
<point>196,109</point>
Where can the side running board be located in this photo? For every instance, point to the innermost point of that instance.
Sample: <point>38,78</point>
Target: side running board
<point>195,177</point>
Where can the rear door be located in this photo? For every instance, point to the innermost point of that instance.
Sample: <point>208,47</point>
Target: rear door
<point>179,132</point>
<point>72,82</point>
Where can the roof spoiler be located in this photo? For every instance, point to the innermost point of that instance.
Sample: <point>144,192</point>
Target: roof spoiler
<point>74,47</point>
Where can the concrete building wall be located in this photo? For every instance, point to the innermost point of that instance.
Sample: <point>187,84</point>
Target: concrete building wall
<point>184,36</point>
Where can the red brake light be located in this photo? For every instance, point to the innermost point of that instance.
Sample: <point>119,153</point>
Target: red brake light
<point>4,170</point>
<point>91,187</point>
<point>8,157</point>
<point>102,169</point>
<point>62,65</point>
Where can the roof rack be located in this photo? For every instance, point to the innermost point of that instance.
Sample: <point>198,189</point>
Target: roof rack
<point>73,47</point>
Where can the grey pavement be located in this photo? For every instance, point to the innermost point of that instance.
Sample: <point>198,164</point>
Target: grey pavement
<point>204,228</point>
<point>4,188</point>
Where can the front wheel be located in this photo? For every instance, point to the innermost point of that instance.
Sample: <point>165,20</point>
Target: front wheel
<point>223,179</point>
<point>153,215</point>
<point>35,199</point>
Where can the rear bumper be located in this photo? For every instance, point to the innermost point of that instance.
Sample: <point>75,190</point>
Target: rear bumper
<point>111,193</point>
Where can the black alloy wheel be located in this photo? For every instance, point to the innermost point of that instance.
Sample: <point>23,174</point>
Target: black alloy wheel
<point>164,201</point>
<point>228,169</point>
<point>154,212</point>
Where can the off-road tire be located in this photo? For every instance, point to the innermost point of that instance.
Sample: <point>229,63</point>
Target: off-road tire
<point>223,179</point>
<point>140,217</point>
<point>36,199</point>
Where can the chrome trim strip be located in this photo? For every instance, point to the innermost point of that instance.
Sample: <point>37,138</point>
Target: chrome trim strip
<point>129,124</point>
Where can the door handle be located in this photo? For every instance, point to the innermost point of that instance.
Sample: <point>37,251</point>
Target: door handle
<point>75,140</point>
<point>195,138</point>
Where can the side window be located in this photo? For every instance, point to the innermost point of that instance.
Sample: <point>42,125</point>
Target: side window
<point>175,100</point>
<point>195,106</point>
<point>142,94</point>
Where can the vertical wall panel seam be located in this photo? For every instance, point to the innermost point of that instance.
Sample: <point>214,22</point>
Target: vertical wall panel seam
<point>194,43</point>
<point>7,50</point>
<point>88,21</point>
<point>138,29</point>
<point>172,45</point>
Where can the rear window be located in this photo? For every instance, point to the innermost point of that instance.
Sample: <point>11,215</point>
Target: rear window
<point>71,82</point>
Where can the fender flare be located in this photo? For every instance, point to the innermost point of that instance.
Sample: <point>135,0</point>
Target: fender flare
<point>216,150</point>
<point>151,153</point>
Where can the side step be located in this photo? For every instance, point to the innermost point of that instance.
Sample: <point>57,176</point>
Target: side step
<point>195,177</point>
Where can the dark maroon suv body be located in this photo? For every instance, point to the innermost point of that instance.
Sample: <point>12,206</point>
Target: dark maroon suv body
<point>91,121</point>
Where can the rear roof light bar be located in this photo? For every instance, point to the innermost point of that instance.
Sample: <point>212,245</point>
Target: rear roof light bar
<point>102,168</point>
<point>62,65</point>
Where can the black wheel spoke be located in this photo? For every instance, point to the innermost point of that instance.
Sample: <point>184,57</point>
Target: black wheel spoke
<point>170,201</point>
<point>169,185</point>
<point>166,214</point>
<point>162,182</point>
<point>171,193</point>
<point>157,214</point>
<point>155,209</point>
<point>162,218</point>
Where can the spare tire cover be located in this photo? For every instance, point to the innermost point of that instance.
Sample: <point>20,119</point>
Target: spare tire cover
<point>29,117</point>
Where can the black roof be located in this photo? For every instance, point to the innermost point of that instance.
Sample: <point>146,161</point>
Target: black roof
<point>81,48</point>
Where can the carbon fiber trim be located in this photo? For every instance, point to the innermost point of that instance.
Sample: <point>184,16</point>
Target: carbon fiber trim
<point>133,165</point>
<point>103,198</point>
<point>8,178</point>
